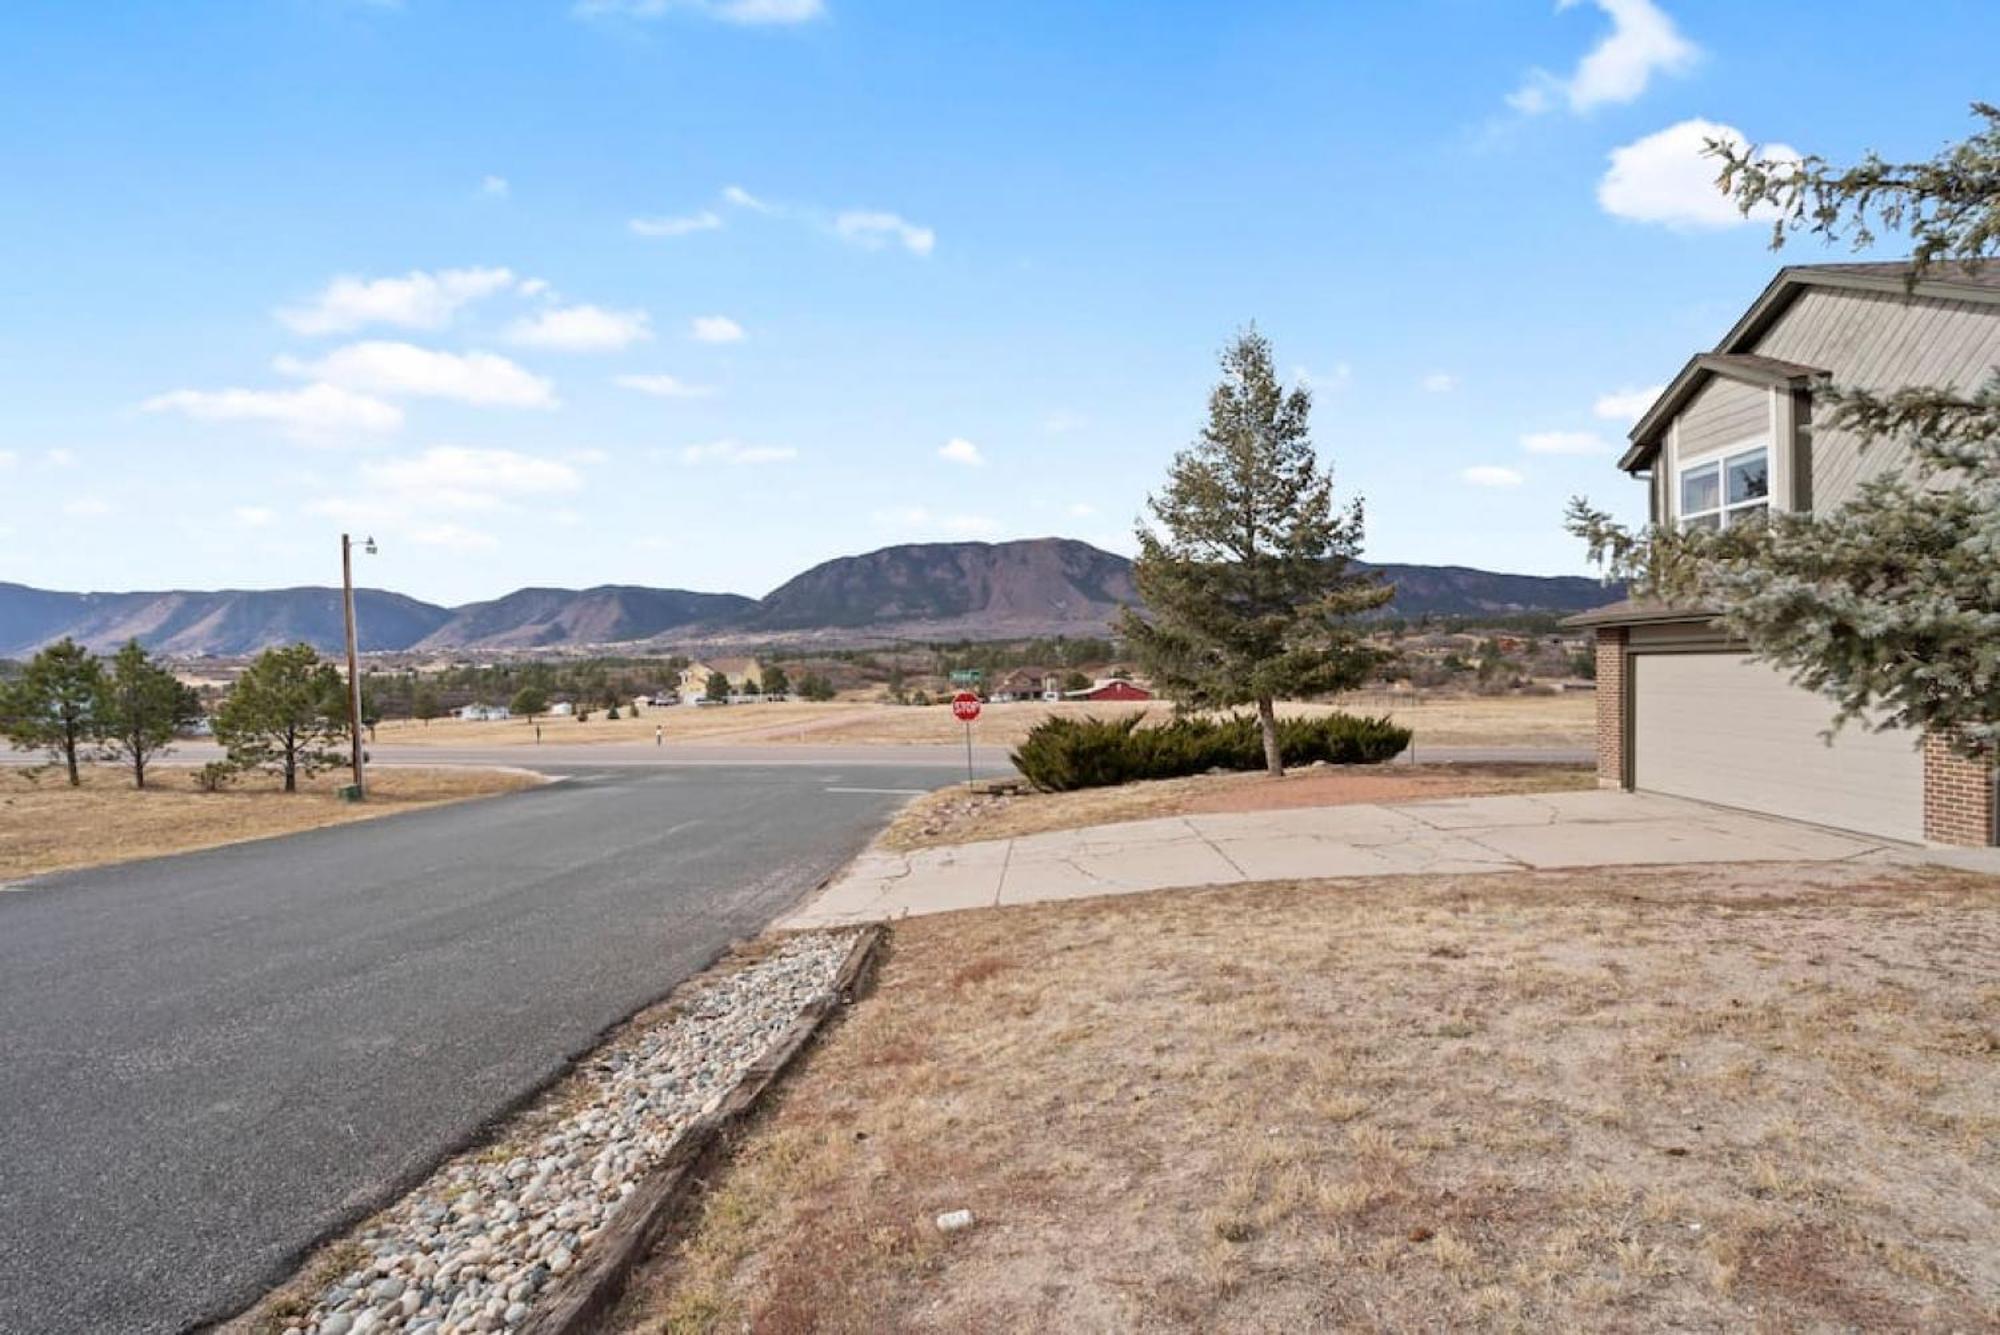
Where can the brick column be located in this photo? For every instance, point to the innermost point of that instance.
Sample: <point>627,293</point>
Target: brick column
<point>1611,706</point>
<point>1958,796</point>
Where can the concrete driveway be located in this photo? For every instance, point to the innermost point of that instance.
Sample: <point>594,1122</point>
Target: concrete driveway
<point>1459,835</point>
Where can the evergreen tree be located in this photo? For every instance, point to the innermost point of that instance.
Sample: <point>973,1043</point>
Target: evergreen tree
<point>1890,604</point>
<point>1248,596</point>
<point>141,706</point>
<point>285,714</point>
<point>776,682</point>
<point>717,687</point>
<point>53,706</point>
<point>424,702</point>
<point>529,702</point>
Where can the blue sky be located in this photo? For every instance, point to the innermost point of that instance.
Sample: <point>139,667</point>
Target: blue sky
<point>699,292</point>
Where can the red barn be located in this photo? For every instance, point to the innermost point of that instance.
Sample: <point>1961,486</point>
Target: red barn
<point>1115,689</point>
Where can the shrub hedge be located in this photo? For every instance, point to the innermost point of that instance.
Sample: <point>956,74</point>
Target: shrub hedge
<point>1061,754</point>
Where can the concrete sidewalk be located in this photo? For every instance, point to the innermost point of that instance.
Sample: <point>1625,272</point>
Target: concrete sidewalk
<point>1457,835</point>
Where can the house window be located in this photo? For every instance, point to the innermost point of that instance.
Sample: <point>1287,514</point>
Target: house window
<point>1719,492</point>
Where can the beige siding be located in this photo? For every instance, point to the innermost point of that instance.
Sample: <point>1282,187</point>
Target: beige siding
<point>1877,340</point>
<point>1724,413</point>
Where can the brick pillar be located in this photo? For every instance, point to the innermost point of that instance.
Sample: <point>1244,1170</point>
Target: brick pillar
<point>1611,706</point>
<point>1958,796</point>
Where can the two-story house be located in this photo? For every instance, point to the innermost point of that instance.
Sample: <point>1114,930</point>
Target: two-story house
<point>1681,710</point>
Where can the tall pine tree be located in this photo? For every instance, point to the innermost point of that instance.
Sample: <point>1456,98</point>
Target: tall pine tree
<point>1245,574</point>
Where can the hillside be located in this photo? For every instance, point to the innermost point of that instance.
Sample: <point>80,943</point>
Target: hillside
<point>946,590</point>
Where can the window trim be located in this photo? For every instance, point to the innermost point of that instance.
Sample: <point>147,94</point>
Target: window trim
<point>1720,460</point>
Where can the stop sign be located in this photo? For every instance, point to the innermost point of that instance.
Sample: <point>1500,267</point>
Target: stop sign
<point>965,706</point>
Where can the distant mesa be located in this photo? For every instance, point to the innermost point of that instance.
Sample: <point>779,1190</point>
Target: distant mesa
<point>939,590</point>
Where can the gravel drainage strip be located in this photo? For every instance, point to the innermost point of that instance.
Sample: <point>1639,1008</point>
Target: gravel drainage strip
<point>536,1230</point>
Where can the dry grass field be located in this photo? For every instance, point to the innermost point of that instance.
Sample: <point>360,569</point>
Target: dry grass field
<point>956,815</point>
<point>1544,720</point>
<point>1752,1098</point>
<point>45,825</point>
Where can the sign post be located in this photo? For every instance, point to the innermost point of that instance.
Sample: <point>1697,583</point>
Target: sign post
<point>965,708</point>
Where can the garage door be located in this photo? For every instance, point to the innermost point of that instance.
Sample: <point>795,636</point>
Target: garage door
<point>1722,728</point>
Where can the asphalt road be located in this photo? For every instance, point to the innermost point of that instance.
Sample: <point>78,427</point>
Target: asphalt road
<point>209,1061</point>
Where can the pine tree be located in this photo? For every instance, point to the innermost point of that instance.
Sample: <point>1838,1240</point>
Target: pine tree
<point>285,714</point>
<point>141,706</point>
<point>53,707</point>
<point>1246,582</point>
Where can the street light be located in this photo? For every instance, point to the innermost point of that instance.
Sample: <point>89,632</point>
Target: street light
<point>353,671</point>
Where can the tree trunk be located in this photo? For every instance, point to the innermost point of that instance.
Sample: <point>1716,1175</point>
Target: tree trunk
<point>1267,720</point>
<point>69,754</point>
<point>139,763</point>
<point>291,764</point>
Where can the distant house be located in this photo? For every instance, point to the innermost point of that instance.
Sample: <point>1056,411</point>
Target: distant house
<point>561,709</point>
<point>739,671</point>
<point>1113,688</point>
<point>483,713</point>
<point>1027,684</point>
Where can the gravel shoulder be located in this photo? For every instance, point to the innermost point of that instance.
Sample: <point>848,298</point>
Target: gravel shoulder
<point>47,826</point>
<point>498,1229</point>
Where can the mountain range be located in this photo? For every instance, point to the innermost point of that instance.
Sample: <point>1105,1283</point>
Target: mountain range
<point>945,590</point>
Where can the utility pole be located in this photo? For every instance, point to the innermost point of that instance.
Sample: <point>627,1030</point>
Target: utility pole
<point>353,669</point>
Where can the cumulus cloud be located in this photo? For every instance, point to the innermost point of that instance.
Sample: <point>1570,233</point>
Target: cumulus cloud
<point>1490,475</point>
<point>873,229</point>
<point>312,412</point>
<point>461,477</point>
<point>743,199</point>
<point>1627,405</point>
<point>916,519</point>
<point>736,452</point>
<point>747,13</point>
<point>1564,442</point>
<point>405,370</point>
<point>663,386</point>
<point>495,186</point>
<point>60,457</point>
<point>581,329</point>
<point>959,450</point>
<point>708,220</point>
<point>1666,178</point>
<point>254,516</point>
<point>87,507</point>
<point>8,459</point>
<point>417,300</point>
<point>1440,382</point>
<point>1338,378</point>
<point>1642,42</point>
<point>716,329</point>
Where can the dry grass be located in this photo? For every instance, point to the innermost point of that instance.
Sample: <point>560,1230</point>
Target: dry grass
<point>1749,1098</point>
<point>955,815</point>
<point>1516,720</point>
<point>45,825</point>
<point>1520,720</point>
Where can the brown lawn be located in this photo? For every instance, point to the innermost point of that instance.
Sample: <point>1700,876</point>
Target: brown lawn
<point>45,825</point>
<point>1748,1098</point>
<point>1517,720</point>
<point>957,815</point>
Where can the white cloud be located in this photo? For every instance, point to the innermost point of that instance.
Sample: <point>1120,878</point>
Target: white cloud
<point>60,458</point>
<point>254,516</point>
<point>716,329</point>
<point>1627,405</point>
<point>663,386</point>
<point>590,454</point>
<point>417,300</point>
<point>743,199</point>
<point>1666,178</point>
<point>1080,510</point>
<point>872,230</point>
<point>314,411</point>
<point>581,329</point>
<point>959,450</point>
<point>749,13</point>
<point>1490,475</point>
<point>451,537</point>
<point>8,458</point>
<point>496,186</point>
<point>1440,382</point>
<point>708,220</point>
<point>87,507</point>
<point>916,519</point>
<point>459,477</point>
<point>736,452</point>
<point>1642,42</point>
<point>1564,442</point>
<point>403,369</point>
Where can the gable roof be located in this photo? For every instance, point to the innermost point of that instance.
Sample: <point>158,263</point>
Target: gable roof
<point>1952,281</point>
